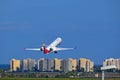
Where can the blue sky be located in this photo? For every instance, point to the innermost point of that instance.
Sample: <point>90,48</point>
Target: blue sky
<point>92,26</point>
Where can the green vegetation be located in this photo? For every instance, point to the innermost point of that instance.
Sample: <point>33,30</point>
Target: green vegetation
<point>57,79</point>
<point>1,70</point>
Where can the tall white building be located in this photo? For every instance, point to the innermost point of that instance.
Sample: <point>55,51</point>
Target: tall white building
<point>68,65</point>
<point>112,61</point>
<point>50,65</point>
<point>45,64</point>
<point>86,65</point>
<point>117,62</point>
<point>28,64</point>
<point>40,63</point>
<point>64,66</point>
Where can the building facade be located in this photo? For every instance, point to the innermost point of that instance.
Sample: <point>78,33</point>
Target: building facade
<point>68,65</point>
<point>45,65</point>
<point>57,64</point>
<point>112,61</point>
<point>86,65</point>
<point>14,65</point>
<point>28,64</point>
<point>74,64</point>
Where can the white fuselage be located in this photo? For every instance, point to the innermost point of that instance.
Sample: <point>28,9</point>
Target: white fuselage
<point>55,43</point>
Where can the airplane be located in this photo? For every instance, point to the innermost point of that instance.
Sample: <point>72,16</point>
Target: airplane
<point>50,48</point>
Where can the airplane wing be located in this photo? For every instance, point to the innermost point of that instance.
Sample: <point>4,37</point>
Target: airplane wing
<point>33,49</point>
<point>58,49</point>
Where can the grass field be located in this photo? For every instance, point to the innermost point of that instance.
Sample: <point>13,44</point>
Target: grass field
<point>57,79</point>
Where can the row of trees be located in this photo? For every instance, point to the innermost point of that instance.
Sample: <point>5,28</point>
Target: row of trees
<point>72,74</point>
<point>96,69</point>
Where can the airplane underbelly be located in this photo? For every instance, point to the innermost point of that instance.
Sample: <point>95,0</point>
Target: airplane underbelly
<point>46,51</point>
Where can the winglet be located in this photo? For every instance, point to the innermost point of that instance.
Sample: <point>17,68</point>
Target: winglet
<point>24,48</point>
<point>75,47</point>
